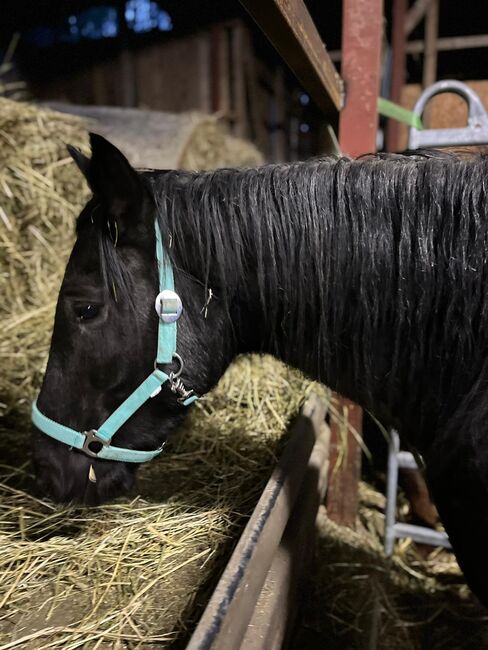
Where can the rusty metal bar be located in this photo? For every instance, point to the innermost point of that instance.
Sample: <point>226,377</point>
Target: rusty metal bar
<point>399,60</point>
<point>224,623</point>
<point>291,30</point>
<point>362,26</point>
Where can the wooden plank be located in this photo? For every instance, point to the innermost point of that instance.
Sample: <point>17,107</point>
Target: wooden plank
<point>451,43</point>
<point>291,30</point>
<point>362,29</point>
<point>345,464</point>
<point>447,43</point>
<point>429,73</point>
<point>239,104</point>
<point>398,65</point>
<point>127,86</point>
<point>226,618</point>
<point>277,606</point>
<point>415,15</point>
<point>430,52</point>
<point>278,126</point>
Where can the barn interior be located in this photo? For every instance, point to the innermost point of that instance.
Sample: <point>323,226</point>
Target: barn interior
<point>201,85</point>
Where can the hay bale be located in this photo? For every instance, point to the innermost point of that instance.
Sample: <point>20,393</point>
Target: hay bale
<point>42,192</point>
<point>161,140</point>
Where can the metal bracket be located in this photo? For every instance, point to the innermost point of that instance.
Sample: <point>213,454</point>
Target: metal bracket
<point>91,437</point>
<point>476,131</point>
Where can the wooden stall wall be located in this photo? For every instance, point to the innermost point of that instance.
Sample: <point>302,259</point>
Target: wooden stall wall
<point>215,70</point>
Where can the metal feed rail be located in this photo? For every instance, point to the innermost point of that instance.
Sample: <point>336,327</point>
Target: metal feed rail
<point>395,530</point>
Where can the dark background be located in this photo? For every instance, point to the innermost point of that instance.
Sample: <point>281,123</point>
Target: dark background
<point>26,16</point>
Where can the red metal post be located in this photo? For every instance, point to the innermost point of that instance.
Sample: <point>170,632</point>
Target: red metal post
<point>362,28</point>
<point>398,64</point>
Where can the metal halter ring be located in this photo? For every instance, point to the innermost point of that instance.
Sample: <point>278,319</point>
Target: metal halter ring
<point>176,374</point>
<point>91,437</point>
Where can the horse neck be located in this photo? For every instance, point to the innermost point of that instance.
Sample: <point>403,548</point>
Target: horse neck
<point>351,272</point>
<point>260,239</point>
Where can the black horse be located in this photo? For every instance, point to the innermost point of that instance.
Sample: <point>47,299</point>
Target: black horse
<point>368,275</point>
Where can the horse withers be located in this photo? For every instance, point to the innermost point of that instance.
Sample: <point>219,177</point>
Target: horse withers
<point>368,275</point>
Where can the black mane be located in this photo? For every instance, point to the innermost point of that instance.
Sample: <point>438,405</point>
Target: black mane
<point>347,254</point>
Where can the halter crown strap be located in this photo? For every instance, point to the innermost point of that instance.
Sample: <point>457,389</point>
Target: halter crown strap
<point>96,443</point>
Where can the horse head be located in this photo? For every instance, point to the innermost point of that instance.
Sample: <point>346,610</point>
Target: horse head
<point>106,336</point>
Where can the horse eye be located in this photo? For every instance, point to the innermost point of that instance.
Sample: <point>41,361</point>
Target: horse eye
<point>85,312</point>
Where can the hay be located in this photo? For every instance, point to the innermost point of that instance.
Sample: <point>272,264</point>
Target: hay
<point>42,192</point>
<point>40,196</point>
<point>358,598</point>
<point>167,140</point>
<point>136,574</point>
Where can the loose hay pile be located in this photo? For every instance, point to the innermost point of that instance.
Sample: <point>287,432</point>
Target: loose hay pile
<point>136,574</point>
<point>358,598</point>
<point>42,192</point>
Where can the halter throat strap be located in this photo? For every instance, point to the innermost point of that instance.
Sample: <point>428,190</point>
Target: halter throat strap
<point>97,442</point>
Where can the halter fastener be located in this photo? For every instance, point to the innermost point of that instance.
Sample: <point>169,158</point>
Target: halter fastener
<point>91,437</point>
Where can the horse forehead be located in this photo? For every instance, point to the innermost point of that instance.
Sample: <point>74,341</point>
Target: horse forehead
<point>85,256</point>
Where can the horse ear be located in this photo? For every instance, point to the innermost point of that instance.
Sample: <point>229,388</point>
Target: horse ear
<point>112,179</point>
<point>82,161</point>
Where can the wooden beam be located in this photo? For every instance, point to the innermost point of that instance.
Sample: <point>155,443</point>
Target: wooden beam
<point>228,614</point>
<point>291,30</point>
<point>451,43</point>
<point>398,67</point>
<point>345,464</point>
<point>430,52</point>
<point>415,15</point>
<point>443,44</point>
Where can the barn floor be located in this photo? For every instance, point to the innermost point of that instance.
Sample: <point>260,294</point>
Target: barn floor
<point>355,598</point>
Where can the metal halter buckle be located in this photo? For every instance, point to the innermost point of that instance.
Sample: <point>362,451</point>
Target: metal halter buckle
<point>90,438</point>
<point>168,306</point>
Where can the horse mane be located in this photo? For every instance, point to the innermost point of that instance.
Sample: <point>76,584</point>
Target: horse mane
<point>344,253</point>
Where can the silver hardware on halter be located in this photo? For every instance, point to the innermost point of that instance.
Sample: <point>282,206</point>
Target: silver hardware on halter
<point>90,437</point>
<point>176,384</point>
<point>168,306</point>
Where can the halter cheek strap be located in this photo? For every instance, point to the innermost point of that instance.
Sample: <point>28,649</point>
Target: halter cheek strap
<point>96,443</point>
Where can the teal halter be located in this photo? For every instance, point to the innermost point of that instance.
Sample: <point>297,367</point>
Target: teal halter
<point>96,443</point>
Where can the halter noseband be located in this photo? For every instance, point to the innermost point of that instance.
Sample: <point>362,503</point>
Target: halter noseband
<point>96,443</point>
